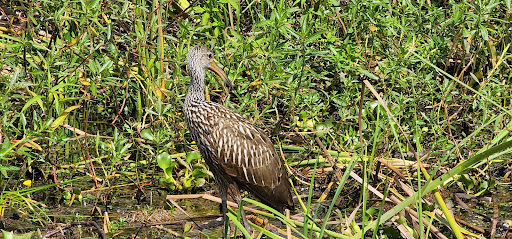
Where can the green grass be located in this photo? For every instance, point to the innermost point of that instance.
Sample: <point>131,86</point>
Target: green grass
<point>441,67</point>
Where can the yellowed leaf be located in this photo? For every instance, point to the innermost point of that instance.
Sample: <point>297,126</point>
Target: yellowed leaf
<point>105,18</point>
<point>30,144</point>
<point>7,30</point>
<point>85,82</point>
<point>158,92</point>
<point>256,83</point>
<point>71,108</point>
<point>59,121</point>
<point>183,4</point>
<point>479,74</point>
<point>94,30</point>
<point>73,42</point>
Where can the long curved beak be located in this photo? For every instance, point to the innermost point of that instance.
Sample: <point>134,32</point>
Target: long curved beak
<point>215,68</point>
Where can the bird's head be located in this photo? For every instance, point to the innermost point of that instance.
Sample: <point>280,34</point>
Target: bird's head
<point>203,58</point>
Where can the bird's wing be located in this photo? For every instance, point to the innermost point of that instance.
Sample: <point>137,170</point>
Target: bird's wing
<point>245,152</point>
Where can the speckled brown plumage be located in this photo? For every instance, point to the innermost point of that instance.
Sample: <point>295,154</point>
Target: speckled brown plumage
<point>239,154</point>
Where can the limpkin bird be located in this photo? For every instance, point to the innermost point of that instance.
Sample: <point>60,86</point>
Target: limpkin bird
<point>239,154</point>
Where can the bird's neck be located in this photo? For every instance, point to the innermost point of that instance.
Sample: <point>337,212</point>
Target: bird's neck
<point>196,87</point>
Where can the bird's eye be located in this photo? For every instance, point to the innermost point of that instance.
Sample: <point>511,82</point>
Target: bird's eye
<point>210,55</point>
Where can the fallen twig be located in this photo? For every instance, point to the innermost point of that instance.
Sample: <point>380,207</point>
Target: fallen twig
<point>97,228</point>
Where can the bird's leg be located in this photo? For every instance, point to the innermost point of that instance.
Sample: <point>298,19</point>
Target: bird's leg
<point>224,210</point>
<point>244,219</point>
<point>224,206</point>
<point>235,194</point>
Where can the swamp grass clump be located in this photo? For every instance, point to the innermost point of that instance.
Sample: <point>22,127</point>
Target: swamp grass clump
<point>396,107</point>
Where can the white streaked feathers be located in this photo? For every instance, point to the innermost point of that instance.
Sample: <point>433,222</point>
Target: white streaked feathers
<point>245,174</point>
<point>243,150</point>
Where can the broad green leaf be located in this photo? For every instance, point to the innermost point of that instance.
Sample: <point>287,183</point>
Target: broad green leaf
<point>485,34</point>
<point>30,102</point>
<point>191,156</point>
<point>370,75</point>
<point>199,173</point>
<point>9,168</point>
<point>205,18</point>
<point>55,88</point>
<point>39,101</point>
<point>125,148</point>
<point>164,160</point>
<point>10,37</point>
<point>147,134</point>
<point>11,235</point>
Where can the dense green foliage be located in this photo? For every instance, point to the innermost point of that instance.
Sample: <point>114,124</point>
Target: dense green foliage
<point>117,71</point>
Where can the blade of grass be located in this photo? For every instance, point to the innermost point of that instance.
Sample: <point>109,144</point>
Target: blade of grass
<point>432,185</point>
